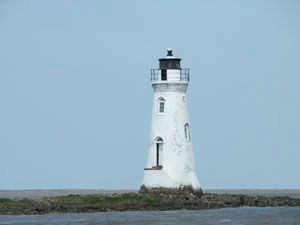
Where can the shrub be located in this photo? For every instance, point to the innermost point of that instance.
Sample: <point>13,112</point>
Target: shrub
<point>92,199</point>
<point>177,191</point>
<point>6,200</point>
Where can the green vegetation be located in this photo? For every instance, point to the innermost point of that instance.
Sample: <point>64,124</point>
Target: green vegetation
<point>123,197</point>
<point>5,200</point>
<point>109,199</point>
<point>24,200</point>
<point>149,200</point>
<point>176,191</point>
<point>154,197</point>
<point>97,199</point>
<point>91,199</point>
<point>8,201</point>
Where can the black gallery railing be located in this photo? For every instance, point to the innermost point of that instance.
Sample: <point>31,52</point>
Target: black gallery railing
<point>184,74</point>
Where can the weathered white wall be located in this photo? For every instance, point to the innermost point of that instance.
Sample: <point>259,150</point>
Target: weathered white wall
<point>177,155</point>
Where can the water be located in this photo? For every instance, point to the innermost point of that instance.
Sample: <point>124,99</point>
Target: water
<point>246,215</point>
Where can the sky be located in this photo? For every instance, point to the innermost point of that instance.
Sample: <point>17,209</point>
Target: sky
<point>76,95</point>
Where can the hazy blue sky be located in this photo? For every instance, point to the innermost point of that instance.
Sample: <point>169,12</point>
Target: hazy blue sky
<point>76,96</point>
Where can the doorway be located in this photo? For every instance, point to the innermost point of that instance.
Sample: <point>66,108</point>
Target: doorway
<point>163,74</point>
<point>159,148</point>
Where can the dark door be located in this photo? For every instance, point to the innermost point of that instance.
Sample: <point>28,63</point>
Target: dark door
<point>157,154</point>
<point>163,74</point>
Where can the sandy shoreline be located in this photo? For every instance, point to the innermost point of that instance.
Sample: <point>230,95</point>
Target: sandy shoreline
<point>40,193</point>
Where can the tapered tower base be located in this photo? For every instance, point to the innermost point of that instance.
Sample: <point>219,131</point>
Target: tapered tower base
<point>159,178</point>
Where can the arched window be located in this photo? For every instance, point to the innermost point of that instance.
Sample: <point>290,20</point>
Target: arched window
<point>159,140</point>
<point>187,132</point>
<point>161,105</point>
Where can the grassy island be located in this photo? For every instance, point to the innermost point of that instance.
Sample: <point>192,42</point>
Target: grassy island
<point>145,200</point>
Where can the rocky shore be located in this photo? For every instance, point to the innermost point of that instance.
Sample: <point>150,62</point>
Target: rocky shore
<point>137,202</point>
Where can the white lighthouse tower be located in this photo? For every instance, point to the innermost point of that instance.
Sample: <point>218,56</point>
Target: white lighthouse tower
<point>170,162</point>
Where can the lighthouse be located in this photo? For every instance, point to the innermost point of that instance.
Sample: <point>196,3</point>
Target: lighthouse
<point>170,159</point>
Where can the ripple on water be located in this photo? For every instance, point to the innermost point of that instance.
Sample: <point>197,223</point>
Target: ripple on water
<point>245,215</point>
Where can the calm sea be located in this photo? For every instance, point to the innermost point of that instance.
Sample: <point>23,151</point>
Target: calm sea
<point>246,215</point>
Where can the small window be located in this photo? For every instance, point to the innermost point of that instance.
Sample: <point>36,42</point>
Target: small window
<point>187,131</point>
<point>161,105</point>
<point>163,74</point>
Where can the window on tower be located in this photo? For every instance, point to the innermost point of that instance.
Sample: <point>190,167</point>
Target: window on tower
<point>187,131</point>
<point>163,74</point>
<point>161,105</point>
